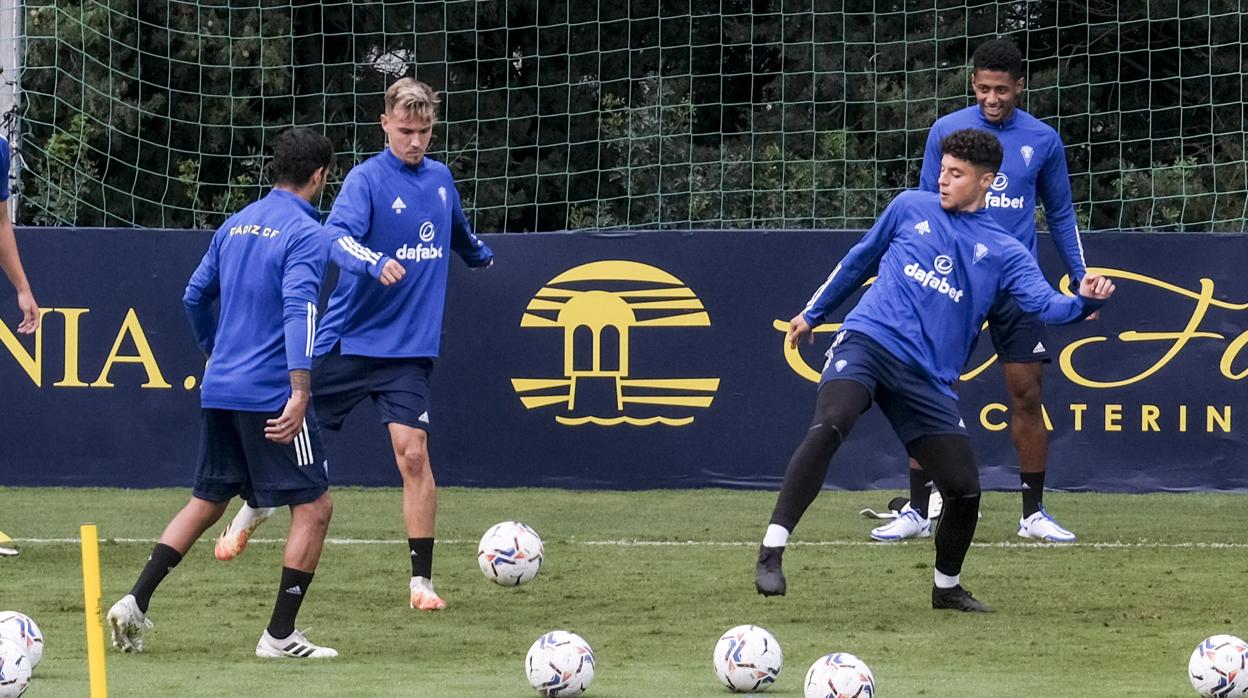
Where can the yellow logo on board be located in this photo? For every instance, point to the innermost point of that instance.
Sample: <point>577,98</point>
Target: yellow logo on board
<point>598,307</point>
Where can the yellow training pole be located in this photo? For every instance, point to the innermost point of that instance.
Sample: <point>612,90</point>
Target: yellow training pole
<point>91,596</point>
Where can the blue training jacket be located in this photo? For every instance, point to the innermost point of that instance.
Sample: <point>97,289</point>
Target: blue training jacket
<point>265,264</point>
<point>1034,165</point>
<point>386,210</point>
<point>939,273</point>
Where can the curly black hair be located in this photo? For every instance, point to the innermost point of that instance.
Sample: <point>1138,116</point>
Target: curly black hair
<point>976,146</point>
<point>999,55</point>
<point>297,154</point>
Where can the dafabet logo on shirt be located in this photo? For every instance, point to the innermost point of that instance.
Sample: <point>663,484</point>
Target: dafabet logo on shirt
<point>599,307</point>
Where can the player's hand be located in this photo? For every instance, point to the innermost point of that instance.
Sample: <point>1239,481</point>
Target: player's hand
<point>1096,315</point>
<point>798,328</point>
<point>289,423</point>
<point>487,265</point>
<point>1096,287</point>
<point>391,273</point>
<point>30,312</point>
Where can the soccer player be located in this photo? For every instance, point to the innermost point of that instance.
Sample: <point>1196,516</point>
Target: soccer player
<point>259,438</point>
<point>1034,166</point>
<point>12,265</point>
<point>391,227</point>
<point>943,260</point>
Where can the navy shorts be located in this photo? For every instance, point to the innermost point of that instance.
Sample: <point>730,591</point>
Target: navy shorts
<point>1018,336</point>
<point>399,387</point>
<point>236,460</point>
<point>908,399</point>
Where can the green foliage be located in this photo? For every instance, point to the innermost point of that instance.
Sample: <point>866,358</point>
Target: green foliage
<point>561,115</point>
<point>1116,614</point>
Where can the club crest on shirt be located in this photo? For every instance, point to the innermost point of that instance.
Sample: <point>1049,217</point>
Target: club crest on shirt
<point>981,251</point>
<point>1027,151</point>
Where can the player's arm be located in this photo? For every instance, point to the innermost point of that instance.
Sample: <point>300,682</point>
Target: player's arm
<point>348,224</point>
<point>929,171</point>
<point>848,275</point>
<point>466,244</point>
<point>1023,279</point>
<point>203,289</point>
<point>12,264</point>
<point>301,285</point>
<point>1053,190</point>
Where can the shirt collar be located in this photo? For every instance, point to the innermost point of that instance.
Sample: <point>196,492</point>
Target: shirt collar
<point>307,207</point>
<point>398,164</point>
<point>1003,125</point>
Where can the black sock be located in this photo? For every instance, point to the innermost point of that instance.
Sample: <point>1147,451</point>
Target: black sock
<point>1033,492</point>
<point>920,491</point>
<point>422,557</point>
<point>159,564</point>
<point>290,595</point>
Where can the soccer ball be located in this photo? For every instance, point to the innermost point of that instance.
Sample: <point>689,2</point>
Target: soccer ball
<point>747,658</point>
<point>21,629</point>
<point>510,553</point>
<point>560,663</point>
<point>839,675</point>
<point>14,670</point>
<point>1219,667</point>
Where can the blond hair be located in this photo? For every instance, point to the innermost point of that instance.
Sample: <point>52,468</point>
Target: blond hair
<point>412,98</point>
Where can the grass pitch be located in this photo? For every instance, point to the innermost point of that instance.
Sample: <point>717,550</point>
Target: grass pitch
<point>650,579</point>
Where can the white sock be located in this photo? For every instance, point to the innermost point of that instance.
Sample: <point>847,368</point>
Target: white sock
<point>776,537</point>
<point>944,581</point>
<point>247,516</point>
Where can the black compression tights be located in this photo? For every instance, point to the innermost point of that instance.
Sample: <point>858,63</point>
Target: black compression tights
<point>948,460</point>
<point>837,408</point>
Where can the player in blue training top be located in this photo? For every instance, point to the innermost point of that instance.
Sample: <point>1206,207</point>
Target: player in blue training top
<point>392,226</point>
<point>1034,166</point>
<point>942,261</point>
<point>12,265</point>
<point>260,440</point>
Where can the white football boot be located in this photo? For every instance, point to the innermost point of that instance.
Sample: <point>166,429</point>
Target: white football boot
<point>908,524</point>
<point>1041,526</point>
<point>424,598</point>
<point>128,623</point>
<point>233,540</point>
<point>294,647</point>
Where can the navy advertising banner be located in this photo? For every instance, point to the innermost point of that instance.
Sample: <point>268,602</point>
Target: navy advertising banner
<point>636,360</point>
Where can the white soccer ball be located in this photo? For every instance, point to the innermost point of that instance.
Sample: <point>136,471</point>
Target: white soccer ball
<point>839,675</point>
<point>1219,667</point>
<point>510,553</point>
<point>560,663</point>
<point>14,670</point>
<point>21,628</point>
<point>747,658</point>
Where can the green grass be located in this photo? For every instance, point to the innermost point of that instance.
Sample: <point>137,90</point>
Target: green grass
<point>1117,619</point>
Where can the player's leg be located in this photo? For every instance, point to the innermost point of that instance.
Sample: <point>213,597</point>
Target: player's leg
<point>339,383</point>
<point>401,391</point>
<point>948,458</point>
<point>219,476</point>
<point>295,475</point>
<point>420,509</point>
<point>837,408</point>
<point>1021,340</point>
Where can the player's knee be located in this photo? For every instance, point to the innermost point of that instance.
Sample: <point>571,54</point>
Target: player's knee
<point>413,462</point>
<point>1026,395</point>
<point>317,513</point>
